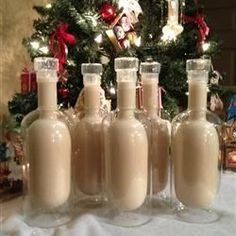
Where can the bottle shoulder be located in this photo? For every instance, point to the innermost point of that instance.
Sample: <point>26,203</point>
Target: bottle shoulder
<point>128,125</point>
<point>159,125</point>
<point>92,118</point>
<point>89,121</point>
<point>199,128</point>
<point>205,115</point>
<point>50,125</point>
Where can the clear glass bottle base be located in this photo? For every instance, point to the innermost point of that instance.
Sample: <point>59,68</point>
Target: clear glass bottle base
<point>162,205</point>
<point>47,220</point>
<point>196,215</point>
<point>90,202</point>
<point>126,219</point>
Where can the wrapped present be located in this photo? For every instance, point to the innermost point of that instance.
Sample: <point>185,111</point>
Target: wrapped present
<point>121,33</point>
<point>24,77</point>
<point>33,82</point>
<point>28,81</point>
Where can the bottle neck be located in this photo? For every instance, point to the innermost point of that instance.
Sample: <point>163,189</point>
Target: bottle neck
<point>197,99</point>
<point>126,95</point>
<point>92,99</point>
<point>47,99</point>
<point>150,94</point>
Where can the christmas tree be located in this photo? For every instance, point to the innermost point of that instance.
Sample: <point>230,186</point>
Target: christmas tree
<point>75,32</point>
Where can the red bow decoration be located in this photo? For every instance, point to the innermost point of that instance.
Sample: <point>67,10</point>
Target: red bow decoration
<point>203,28</point>
<point>57,44</point>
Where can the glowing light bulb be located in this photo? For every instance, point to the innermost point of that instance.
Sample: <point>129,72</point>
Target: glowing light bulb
<point>168,36</point>
<point>48,6</point>
<point>98,39</point>
<point>112,90</point>
<point>44,49</point>
<point>95,23</point>
<point>206,46</point>
<point>34,45</point>
<point>138,41</point>
<point>70,62</point>
<point>93,20</point>
<point>170,32</point>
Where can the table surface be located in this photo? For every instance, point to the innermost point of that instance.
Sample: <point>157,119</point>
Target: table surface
<point>87,224</point>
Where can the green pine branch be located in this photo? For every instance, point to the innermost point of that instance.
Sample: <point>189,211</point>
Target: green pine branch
<point>85,24</point>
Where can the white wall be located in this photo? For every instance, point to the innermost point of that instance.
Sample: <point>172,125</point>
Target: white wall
<point>16,19</point>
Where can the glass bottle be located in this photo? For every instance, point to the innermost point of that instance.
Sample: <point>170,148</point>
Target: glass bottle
<point>66,116</point>
<point>158,131</point>
<point>126,153</point>
<point>48,155</point>
<point>88,142</point>
<point>196,150</point>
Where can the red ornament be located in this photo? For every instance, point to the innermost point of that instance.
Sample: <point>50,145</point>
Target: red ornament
<point>107,12</point>
<point>63,92</point>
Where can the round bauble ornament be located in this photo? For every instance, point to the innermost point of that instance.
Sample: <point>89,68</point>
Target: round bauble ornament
<point>107,12</point>
<point>63,92</point>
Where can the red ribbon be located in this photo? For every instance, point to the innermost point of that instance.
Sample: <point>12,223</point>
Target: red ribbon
<point>57,44</point>
<point>203,28</point>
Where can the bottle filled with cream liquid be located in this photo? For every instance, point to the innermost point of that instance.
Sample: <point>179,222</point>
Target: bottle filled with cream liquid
<point>196,150</point>
<point>158,131</point>
<point>126,153</point>
<point>88,160</point>
<point>47,149</point>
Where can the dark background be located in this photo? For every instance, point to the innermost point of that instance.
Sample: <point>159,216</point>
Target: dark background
<point>221,18</point>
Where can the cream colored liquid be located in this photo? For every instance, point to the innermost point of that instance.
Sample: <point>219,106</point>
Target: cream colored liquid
<point>195,154</point>
<point>127,176</point>
<point>88,155</point>
<point>88,159</point>
<point>50,163</point>
<point>126,96</point>
<point>159,138</point>
<point>150,96</point>
<point>197,95</point>
<point>127,159</point>
<point>159,154</point>
<point>47,96</point>
<point>92,97</point>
